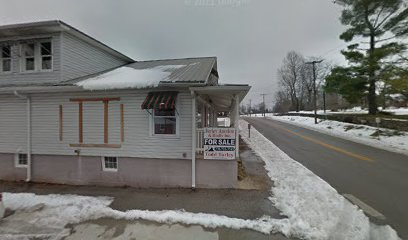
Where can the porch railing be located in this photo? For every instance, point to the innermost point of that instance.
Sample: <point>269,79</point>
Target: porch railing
<point>200,140</point>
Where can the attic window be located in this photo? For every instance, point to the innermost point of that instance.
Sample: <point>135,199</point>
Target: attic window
<point>6,59</point>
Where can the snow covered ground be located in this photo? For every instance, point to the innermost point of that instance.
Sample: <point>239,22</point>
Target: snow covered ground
<point>357,133</point>
<point>313,208</point>
<point>359,110</point>
<point>56,211</point>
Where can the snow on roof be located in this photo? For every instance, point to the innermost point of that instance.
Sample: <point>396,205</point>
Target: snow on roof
<point>128,77</point>
<point>149,74</point>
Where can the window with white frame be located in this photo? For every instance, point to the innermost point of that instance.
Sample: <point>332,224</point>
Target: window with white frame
<point>110,164</point>
<point>37,56</point>
<point>164,121</point>
<point>46,55</point>
<point>29,57</point>
<point>5,59</point>
<point>21,159</point>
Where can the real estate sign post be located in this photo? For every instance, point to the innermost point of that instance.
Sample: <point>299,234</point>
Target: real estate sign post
<point>219,143</point>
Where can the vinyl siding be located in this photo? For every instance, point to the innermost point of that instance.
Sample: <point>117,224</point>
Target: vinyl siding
<point>18,77</point>
<point>13,124</point>
<point>45,126</point>
<point>80,58</point>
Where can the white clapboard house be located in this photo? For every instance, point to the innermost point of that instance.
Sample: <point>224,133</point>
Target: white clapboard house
<point>75,111</point>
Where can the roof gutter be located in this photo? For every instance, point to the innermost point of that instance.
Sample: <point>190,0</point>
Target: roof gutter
<point>41,89</point>
<point>28,109</point>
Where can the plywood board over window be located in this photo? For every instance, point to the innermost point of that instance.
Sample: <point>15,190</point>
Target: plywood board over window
<point>94,123</point>
<point>99,122</point>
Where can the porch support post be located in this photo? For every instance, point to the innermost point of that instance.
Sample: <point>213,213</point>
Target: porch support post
<point>212,117</point>
<point>193,140</point>
<point>236,125</point>
<point>215,118</point>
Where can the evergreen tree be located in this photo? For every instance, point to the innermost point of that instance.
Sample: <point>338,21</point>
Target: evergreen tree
<point>377,25</point>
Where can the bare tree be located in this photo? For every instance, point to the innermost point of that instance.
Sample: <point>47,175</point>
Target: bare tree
<point>296,81</point>
<point>282,102</point>
<point>290,77</point>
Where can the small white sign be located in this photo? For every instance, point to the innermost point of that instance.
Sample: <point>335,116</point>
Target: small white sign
<point>219,143</point>
<point>219,133</point>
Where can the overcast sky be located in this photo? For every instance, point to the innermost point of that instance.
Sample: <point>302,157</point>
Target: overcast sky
<point>249,37</point>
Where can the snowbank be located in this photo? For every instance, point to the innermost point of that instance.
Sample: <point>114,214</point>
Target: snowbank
<point>360,110</point>
<point>128,77</point>
<point>58,210</point>
<point>353,132</point>
<point>315,210</point>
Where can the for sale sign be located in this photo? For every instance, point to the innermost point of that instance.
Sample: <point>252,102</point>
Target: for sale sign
<point>219,143</point>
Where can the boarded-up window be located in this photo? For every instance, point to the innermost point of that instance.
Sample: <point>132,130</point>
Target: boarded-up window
<point>93,122</point>
<point>99,122</point>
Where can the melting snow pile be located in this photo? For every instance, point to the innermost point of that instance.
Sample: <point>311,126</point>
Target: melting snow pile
<point>55,211</point>
<point>315,210</point>
<point>128,77</point>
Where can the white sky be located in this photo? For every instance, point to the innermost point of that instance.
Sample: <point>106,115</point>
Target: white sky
<point>249,37</point>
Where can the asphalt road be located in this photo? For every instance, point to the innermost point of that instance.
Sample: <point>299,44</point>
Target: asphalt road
<point>377,177</point>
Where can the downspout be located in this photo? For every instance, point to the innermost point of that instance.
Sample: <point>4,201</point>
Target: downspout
<point>236,125</point>
<point>194,139</point>
<point>28,109</point>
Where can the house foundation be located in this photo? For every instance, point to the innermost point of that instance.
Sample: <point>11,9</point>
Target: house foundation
<point>134,172</point>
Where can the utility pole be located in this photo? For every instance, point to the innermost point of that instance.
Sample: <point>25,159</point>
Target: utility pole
<point>324,101</point>
<point>250,107</point>
<point>314,88</point>
<point>263,100</point>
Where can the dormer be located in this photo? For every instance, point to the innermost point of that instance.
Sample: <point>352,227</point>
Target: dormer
<point>52,52</point>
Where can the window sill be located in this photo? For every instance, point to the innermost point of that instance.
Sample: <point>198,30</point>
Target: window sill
<point>112,170</point>
<point>6,73</point>
<point>95,145</point>
<point>21,166</point>
<point>165,136</point>
<point>37,71</point>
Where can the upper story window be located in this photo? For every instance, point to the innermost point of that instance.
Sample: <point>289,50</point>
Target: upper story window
<point>5,59</point>
<point>37,56</point>
<point>29,56</point>
<point>46,55</point>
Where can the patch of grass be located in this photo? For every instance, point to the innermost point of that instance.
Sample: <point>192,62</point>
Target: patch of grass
<point>386,133</point>
<point>241,170</point>
<point>348,127</point>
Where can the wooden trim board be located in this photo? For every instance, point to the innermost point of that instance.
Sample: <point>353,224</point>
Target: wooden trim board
<point>89,145</point>
<point>94,99</point>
